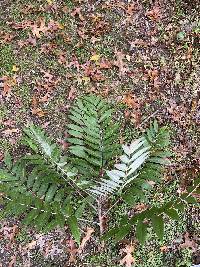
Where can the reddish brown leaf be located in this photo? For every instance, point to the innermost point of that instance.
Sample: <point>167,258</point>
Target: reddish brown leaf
<point>39,112</point>
<point>154,14</point>
<point>45,98</point>
<point>105,64</point>
<point>131,9</point>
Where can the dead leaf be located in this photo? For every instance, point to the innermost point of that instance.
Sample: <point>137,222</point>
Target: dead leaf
<point>44,98</point>
<point>13,261</point>
<point>131,9</point>
<point>39,28</point>
<point>164,249</point>
<point>85,239</point>
<point>77,11</point>
<point>154,14</point>
<point>10,131</point>
<point>72,93</point>
<point>105,64</point>
<point>132,101</point>
<point>31,245</point>
<point>34,102</point>
<point>39,112</point>
<point>189,243</point>
<point>13,233</point>
<point>4,84</point>
<point>128,259</point>
<point>72,249</point>
<point>15,68</point>
<point>120,62</point>
<point>95,57</point>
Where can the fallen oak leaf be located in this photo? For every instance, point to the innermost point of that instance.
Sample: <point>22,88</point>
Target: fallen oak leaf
<point>164,249</point>
<point>131,9</point>
<point>85,239</point>
<point>37,30</point>
<point>105,64</point>
<point>189,243</point>
<point>31,245</point>
<point>128,259</point>
<point>131,101</point>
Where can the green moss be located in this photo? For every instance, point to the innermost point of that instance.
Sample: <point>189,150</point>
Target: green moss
<point>6,60</point>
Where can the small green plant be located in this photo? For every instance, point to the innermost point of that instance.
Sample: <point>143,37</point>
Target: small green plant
<point>49,188</point>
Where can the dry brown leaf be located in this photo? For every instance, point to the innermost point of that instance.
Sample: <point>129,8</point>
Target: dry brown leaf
<point>154,14</point>
<point>128,259</point>
<point>120,62</point>
<point>14,232</point>
<point>164,249</point>
<point>39,112</point>
<point>13,261</point>
<point>11,131</point>
<point>131,101</point>
<point>105,64</point>
<point>34,102</point>
<point>31,245</point>
<point>72,93</point>
<point>72,249</point>
<point>85,239</point>
<point>77,11</point>
<point>131,9</point>
<point>45,98</point>
<point>189,243</point>
<point>4,84</point>
<point>37,30</point>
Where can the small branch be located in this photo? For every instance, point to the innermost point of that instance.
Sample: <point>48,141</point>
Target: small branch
<point>149,117</point>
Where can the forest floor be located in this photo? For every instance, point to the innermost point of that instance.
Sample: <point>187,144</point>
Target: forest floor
<point>142,56</point>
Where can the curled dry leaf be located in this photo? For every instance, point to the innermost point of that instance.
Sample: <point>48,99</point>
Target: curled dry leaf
<point>85,239</point>
<point>128,259</point>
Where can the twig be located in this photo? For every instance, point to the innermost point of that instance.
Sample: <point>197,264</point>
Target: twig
<point>149,117</point>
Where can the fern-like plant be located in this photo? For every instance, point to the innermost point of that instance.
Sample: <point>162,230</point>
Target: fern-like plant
<point>49,188</point>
